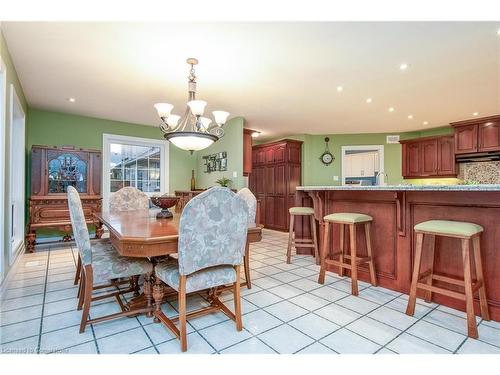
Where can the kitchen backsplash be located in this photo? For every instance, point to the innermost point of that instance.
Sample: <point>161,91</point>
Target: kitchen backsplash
<point>487,172</point>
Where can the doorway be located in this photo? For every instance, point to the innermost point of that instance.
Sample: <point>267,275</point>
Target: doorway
<point>363,165</point>
<point>17,175</point>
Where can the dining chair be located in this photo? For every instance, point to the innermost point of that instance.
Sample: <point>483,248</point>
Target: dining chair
<point>212,236</point>
<point>98,267</point>
<point>125,199</point>
<point>251,202</point>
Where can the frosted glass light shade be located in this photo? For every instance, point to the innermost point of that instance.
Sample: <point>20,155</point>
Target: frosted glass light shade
<point>191,141</point>
<point>197,106</point>
<point>205,121</point>
<point>220,117</point>
<point>163,109</point>
<point>173,120</point>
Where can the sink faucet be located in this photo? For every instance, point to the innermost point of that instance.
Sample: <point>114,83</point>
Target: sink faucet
<point>385,178</point>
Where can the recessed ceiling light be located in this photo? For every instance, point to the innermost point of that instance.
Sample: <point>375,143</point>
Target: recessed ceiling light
<point>410,117</point>
<point>426,123</point>
<point>404,66</point>
<point>71,100</point>
<point>475,114</point>
<point>391,109</point>
<point>255,134</point>
<point>368,100</point>
<point>340,88</point>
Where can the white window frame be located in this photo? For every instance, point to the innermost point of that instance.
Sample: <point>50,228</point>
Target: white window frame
<point>16,108</point>
<point>107,139</point>
<point>379,148</point>
<point>3,126</point>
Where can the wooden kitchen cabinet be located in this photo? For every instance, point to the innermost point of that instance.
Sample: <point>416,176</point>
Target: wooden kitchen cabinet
<point>274,178</point>
<point>477,135</point>
<point>428,157</point>
<point>248,156</point>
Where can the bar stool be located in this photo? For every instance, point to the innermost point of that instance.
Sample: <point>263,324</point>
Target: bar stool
<point>466,232</point>
<point>305,242</point>
<point>352,220</point>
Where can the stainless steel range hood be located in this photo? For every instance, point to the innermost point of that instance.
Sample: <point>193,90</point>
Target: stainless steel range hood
<point>478,157</point>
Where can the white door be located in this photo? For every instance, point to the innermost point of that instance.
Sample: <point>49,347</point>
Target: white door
<point>17,175</point>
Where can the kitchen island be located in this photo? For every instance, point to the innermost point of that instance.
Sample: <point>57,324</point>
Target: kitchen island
<point>395,211</point>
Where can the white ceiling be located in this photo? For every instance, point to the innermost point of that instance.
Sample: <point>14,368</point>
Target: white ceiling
<point>282,77</point>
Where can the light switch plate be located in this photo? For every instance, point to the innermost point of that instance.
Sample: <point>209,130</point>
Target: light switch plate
<point>235,174</point>
<point>335,178</point>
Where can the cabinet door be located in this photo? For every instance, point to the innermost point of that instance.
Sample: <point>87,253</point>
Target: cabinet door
<point>280,213</point>
<point>279,153</point>
<point>269,209</point>
<point>261,155</point>
<point>446,156</point>
<point>294,178</point>
<point>413,159</point>
<point>466,139</point>
<point>489,136</point>
<point>429,157</point>
<point>268,180</point>
<point>280,179</point>
<point>258,176</point>
<point>269,155</point>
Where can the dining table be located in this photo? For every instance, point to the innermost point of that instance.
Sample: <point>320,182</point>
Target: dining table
<point>140,234</point>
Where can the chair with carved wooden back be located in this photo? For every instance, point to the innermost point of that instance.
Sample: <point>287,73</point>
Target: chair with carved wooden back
<point>100,266</point>
<point>251,202</point>
<point>212,236</point>
<point>125,199</point>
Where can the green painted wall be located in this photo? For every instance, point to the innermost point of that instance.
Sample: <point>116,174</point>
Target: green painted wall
<point>12,79</point>
<point>55,128</point>
<point>315,173</point>
<point>232,143</point>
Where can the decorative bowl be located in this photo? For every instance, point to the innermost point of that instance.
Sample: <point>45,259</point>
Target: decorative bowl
<point>164,202</point>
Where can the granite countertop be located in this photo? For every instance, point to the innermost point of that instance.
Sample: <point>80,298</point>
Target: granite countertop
<point>495,187</point>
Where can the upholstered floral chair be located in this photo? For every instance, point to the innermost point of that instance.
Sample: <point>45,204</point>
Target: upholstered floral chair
<point>212,236</point>
<point>251,202</point>
<point>99,263</point>
<point>128,198</point>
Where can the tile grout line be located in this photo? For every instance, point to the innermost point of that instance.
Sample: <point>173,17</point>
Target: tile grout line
<point>43,304</point>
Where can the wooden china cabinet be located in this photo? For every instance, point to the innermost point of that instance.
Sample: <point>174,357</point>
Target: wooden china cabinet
<point>53,169</point>
<point>276,172</point>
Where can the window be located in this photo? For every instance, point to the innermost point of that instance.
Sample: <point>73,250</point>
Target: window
<point>137,162</point>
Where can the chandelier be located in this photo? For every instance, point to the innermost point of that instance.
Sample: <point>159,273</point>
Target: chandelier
<point>192,131</point>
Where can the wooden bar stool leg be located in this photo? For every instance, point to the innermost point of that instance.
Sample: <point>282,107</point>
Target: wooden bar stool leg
<point>315,240</point>
<point>410,309</point>
<point>324,250</point>
<point>428,293</point>
<point>469,298</point>
<point>371,264</point>
<point>341,258</point>
<point>354,265</point>
<point>290,240</point>
<point>483,302</point>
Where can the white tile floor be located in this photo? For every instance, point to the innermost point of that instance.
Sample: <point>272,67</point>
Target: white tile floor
<point>286,311</point>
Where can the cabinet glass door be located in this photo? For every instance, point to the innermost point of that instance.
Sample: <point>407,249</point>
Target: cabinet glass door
<point>67,170</point>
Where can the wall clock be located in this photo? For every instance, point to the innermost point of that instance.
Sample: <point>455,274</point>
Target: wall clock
<point>327,157</point>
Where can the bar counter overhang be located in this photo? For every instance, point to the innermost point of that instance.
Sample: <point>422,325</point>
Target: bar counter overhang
<point>395,211</point>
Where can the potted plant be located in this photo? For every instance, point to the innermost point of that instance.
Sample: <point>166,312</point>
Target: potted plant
<point>224,182</point>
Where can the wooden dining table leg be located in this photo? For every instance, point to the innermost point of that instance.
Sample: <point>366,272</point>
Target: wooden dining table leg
<point>148,294</point>
<point>158,297</point>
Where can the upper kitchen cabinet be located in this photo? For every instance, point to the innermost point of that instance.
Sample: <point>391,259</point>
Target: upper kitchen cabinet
<point>477,135</point>
<point>428,157</point>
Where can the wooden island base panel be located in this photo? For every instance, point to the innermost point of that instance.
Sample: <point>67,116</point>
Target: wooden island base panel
<point>395,211</point>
